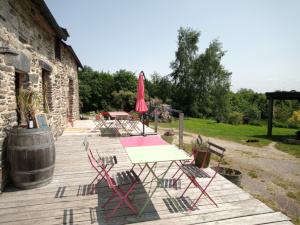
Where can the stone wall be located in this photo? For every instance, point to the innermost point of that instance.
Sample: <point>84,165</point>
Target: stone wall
<point>24,29</point>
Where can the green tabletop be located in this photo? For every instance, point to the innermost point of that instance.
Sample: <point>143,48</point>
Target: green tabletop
<point>151,154</point>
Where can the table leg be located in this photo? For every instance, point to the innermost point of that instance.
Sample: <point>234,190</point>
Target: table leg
<point>142,184</point>
<point>159,183</point>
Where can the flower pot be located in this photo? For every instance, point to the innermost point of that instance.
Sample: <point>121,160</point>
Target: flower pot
<point>232,175</point>
<point>98,117</point>
<point>168,139</point>
<point>200,158</point>
<point>135,117</point>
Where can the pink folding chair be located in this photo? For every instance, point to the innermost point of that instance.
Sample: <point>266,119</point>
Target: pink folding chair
<point>108,163</point>
<point>193,156</point>
<point>116,181</point>
<point>194,172</point>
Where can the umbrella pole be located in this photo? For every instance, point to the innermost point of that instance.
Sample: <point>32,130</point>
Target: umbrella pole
<point>143,125</point>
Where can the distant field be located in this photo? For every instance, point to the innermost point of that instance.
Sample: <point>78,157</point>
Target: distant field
<point>239,133</point>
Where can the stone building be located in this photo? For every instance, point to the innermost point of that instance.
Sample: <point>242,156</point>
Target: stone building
<point>34,56</point>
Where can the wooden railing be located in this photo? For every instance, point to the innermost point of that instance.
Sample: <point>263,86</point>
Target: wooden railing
<point>181,116</point>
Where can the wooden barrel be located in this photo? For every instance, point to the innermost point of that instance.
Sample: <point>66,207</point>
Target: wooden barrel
<point>232,175</point>
<point>31,157</point>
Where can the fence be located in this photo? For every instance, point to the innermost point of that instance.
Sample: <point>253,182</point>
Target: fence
<point>181,116</point>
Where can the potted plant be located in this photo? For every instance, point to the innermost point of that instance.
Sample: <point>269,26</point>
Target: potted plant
<point>201,154</point>
<point>134,115</point>
<point>168,136</point>
<point>28,102</point>
<point>106,115</point>
<point>230,174</point>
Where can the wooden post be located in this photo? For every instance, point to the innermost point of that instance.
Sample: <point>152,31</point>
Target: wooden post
<point>181,116</point>
<point>155,119</point>
<point>270,117</point>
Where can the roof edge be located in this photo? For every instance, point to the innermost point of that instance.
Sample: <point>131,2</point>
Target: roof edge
<point>71,51</point>
<point>45,12</point>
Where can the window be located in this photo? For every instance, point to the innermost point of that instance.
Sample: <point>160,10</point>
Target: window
<point>45,90</point>
<point>57,48</point>
<point>17,87</point>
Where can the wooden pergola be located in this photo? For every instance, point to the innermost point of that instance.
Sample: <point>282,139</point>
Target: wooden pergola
<point>280,96</point>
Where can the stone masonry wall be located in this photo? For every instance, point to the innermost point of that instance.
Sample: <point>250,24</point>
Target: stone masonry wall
<point>24,29</point>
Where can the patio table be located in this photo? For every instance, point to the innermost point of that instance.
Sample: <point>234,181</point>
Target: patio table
<point>158,152</point>
<point>119,124</point>
<point>119,114</point>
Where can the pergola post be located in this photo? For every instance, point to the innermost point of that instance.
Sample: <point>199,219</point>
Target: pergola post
<point>181,117</point>
<point>270,117</point>
<point>156,119</point>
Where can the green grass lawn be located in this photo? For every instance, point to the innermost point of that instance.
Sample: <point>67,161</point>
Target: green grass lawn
<point>238,133</point>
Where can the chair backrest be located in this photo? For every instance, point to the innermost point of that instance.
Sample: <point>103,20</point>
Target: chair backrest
<point>200,138</point>
<point>107,177</point>
<point>197,146</point>
<point>90,151</point>
<point>217,150</point>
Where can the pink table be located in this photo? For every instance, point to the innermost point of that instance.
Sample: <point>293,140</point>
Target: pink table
<point>119,114</point>
<point>142,141</point>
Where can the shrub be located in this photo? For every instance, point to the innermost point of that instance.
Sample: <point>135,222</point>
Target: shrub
<point>278,124</point>
<point>255,123</point>
<point>294,121</point>
<point>252,113</point>
<point>163,114</point>
<point>235,118</point>
<point>201,148</point>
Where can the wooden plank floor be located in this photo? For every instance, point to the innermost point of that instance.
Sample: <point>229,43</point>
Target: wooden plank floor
<point>65,199</point>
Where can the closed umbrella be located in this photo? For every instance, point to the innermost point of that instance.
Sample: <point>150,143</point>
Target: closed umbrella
<point>140,106</point>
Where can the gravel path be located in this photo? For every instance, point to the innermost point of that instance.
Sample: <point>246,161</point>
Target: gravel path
<point>267,171</point>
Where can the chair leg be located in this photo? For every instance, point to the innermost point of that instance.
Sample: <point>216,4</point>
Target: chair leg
<point>176,173</point>
<point>123,200</point>
<point>142,169</point>
<point>186,189</point>
<point>109,199</point>
<point>205,193</point>
<point>100,173</point>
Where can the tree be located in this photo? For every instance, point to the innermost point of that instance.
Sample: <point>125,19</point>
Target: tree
<point>161,87</point>
<point>182,66</point>
<point>125,80</point>
<point>185,55</point>
<point>94,87</point>
<point>124,100</point>
<point>201,83</point>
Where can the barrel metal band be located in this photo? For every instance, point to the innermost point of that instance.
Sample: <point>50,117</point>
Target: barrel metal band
<point>33,171</point>
<point>28,134</point>
<point>29,147</point>
<point>35,183</point>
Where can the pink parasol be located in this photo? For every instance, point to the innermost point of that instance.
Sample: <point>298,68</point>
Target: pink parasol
<point>140,106</point>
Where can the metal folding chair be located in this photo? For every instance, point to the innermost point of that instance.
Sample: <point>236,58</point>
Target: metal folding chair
<point>194,172</point>
<point>97,123</point>
<point>116,181</point>
<point>107,162</point>
<point>120,126</point>
<point>193,156</point>
<point>101,122</point>
<point>132,126</point>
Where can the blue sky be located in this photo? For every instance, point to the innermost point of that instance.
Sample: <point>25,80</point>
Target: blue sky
<point>262,37</point>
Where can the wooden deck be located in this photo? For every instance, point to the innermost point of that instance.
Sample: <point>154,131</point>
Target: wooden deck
<point>65,199</point>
